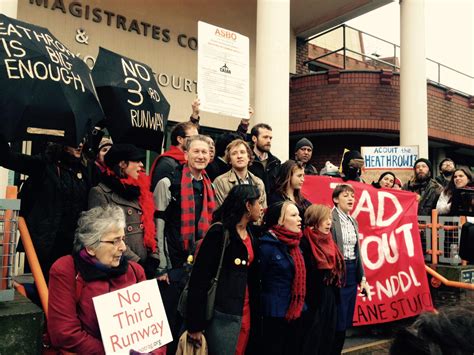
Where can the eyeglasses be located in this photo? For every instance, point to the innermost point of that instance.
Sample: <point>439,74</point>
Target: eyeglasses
<point>116,242</point>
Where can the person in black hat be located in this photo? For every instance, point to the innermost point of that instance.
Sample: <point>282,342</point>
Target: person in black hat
<point>124,184</point>
<point>446,170</point>
<point>352,163</point>
<point>303,154</point>
<point>427,189</point>
<point>52,197</point>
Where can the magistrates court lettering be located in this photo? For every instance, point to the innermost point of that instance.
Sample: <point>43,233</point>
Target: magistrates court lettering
<point>112,19</point>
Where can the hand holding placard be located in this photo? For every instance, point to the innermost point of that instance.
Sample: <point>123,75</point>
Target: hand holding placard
<point>133,318</point>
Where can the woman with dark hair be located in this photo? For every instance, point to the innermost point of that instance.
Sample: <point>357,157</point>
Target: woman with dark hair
<point>386,181</point>
<point>448,331</point>
<point>325,275</point>
<point>345,232</point>
<point>450,200</point>
<point>283,280</point>
<point>235,289</point>
<point>124,184</point>
<point>288,186</point>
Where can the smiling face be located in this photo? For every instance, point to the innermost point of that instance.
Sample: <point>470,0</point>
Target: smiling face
<point>297,179</point>
<point>239,157</point>
<point>197,156</point>
<point>345,201</point>
<point>111,248</point>
<point>460,179</point>
<point>131,168</point>
<point>291,219</point>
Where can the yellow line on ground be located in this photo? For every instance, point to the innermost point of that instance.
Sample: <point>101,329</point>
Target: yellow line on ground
<point>366,345</point>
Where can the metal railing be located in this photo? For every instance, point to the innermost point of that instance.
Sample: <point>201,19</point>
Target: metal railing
<point>380,50</point>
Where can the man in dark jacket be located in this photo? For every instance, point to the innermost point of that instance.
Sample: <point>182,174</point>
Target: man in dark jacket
<point>219,166</point>
<point>303,154</point>
<point>427,189</point>
<point>185,203</point>
<point>166,163</point>
<point>265,166</point>
<point>52,198</point>
<point>446,170</point>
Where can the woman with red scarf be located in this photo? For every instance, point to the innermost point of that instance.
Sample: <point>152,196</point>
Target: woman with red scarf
<point>325,274</point>
<point>283,280</point>
<point>124,184</point>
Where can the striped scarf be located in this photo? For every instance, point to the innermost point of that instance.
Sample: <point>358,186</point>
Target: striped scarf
<point>188,223</point>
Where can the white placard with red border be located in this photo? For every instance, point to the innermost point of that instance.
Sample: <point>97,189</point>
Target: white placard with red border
<point>133,318</point>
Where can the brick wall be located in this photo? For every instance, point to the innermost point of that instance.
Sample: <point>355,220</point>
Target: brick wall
<point>356,101</point>
<point>301,56</point>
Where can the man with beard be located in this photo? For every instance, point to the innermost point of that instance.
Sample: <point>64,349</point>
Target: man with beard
<point>265,166</point>
<point>303,154</point>
<point>427,189</point>
<point>446,168</point>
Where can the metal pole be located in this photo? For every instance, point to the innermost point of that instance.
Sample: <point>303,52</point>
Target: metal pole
<point>344,45</point>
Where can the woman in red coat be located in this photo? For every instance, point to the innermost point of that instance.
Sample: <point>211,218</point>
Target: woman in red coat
<point>97,266</point>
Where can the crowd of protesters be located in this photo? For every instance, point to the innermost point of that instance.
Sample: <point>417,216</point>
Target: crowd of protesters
<point>290,271</point>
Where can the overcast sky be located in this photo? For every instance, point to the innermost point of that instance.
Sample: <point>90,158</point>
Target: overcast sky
<point>449,35</point>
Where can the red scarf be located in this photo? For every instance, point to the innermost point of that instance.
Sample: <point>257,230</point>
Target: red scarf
<point>188,224</point>
<point>298,288</point>
<point>174,152</point>
<point>147,205</point>
<point>327,256</point>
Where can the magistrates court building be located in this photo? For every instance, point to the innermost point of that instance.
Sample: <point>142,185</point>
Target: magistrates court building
<point>163,34</point>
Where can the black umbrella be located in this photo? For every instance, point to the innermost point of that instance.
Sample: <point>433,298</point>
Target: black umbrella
<point>45,89</point>
<point>136,110</point>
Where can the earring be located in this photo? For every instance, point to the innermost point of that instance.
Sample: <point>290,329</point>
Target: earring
<point>248,214</point>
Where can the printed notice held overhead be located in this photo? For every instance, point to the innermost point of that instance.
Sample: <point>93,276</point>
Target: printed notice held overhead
<point>223,71</point>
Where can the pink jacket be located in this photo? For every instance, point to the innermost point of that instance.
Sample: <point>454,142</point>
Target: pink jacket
<point>72,323</point>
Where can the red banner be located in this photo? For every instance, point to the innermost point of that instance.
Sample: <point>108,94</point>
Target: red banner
<point>390,247</point>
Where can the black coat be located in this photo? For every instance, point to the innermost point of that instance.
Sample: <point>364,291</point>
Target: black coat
<point>52,199</point>
<point>233,279</point>
<point>216,168</point>
<point>268,174</point>
<point>321,300</point>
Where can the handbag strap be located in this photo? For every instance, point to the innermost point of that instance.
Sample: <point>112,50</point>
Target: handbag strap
<point>226,240</point>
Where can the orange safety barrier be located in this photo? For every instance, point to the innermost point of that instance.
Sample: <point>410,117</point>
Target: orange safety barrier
<point>34,264</point>
<point>20,288</point>
<point>434,226</point>
<point>447,282</point>
<point>10,193</point>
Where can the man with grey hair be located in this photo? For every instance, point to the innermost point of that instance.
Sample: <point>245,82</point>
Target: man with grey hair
<point>185,203</point>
